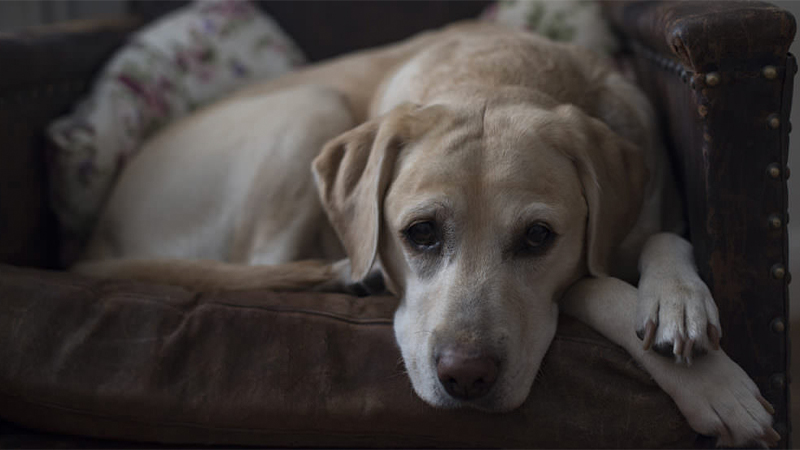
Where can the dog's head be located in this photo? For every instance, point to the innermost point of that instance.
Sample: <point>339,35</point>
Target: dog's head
<point>481,217</point>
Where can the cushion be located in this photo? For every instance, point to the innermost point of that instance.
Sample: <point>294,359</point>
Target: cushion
<point>142,362</point>
<point>578,21</point>
<point>181,61</point>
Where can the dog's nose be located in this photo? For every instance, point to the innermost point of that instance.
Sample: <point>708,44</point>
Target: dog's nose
<point>466,373</point>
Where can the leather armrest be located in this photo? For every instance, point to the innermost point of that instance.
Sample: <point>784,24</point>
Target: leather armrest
<point>63,51</point>
<point>721,79</point>
<point>44,70</point>
<point>708,35</point>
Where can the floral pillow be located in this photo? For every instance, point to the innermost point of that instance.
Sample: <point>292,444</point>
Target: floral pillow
<point>169,68</point>
<point>576,21</point>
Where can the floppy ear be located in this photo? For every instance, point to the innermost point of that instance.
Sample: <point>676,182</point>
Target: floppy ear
<point>613,174</point>
<point>353,172</point>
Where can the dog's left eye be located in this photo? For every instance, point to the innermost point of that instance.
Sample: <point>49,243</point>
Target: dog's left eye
<point>537,236</point>
<point>423,235</point>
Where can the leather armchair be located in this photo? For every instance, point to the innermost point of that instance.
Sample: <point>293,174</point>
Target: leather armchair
<point>108,363</point>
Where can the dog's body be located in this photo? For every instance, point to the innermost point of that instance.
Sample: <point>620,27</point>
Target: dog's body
<point>494,176</point>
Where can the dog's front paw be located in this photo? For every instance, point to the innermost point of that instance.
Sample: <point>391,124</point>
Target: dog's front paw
<point>676,315</point>
<point>718,399</point>
<point>373,284</point>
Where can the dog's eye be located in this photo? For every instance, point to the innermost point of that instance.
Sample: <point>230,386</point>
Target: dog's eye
<point>537,236</point>
<point>422,235</point>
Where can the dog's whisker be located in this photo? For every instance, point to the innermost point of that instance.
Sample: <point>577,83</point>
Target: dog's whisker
<point>540,377</point>
<point>399,373</point>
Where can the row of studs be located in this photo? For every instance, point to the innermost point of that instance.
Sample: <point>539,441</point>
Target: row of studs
<point>712,79</point>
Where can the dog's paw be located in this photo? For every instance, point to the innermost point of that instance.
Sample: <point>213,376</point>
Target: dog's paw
<point>718,399</point>
<point>373,284</point>
<point>676,315</point>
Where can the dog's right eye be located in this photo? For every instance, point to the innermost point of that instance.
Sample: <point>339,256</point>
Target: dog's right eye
<point>422,235</point>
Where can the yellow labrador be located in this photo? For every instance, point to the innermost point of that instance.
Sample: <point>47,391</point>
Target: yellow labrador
<point>491,176</point>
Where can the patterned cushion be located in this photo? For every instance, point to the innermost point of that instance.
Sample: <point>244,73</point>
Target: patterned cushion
<point>576,21</point>
<point>169,68</point>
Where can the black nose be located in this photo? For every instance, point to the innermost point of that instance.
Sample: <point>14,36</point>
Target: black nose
<point>466,373</point>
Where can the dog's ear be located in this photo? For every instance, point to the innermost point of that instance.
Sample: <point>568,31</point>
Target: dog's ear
<point>613,174</point>
<point>353,172</point>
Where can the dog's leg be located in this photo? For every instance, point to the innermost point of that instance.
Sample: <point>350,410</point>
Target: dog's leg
<point>203,275</point>
<point>714,394</point>
<point>675,312</point>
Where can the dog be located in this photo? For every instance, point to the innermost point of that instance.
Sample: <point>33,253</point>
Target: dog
<point>489,178</point>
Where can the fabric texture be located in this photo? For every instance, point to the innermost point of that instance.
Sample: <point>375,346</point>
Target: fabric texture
<point>169,68</point>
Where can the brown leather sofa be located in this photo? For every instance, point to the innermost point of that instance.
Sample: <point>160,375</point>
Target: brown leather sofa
<point>117,364</point>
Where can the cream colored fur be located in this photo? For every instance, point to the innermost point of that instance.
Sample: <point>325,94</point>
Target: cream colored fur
<point>482,132</point>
